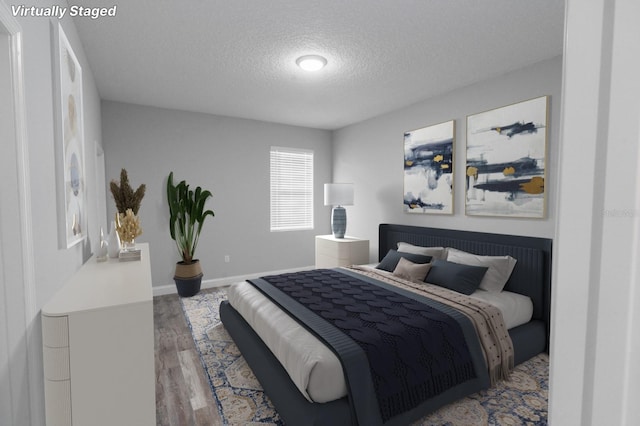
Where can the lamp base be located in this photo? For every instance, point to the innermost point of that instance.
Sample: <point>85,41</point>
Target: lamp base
<point>338,221</point>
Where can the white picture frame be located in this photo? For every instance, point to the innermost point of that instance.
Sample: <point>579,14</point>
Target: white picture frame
<point>506,161</point>
<point>69,141</point>
<point>428,169</point>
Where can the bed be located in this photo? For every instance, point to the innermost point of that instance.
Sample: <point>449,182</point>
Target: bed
<point>531,277</point>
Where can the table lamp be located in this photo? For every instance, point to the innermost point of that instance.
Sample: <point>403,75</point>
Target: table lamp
<point>338,195</point>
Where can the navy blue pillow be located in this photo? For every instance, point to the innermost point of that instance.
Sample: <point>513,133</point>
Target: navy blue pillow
<point>464,279</point>
<point>392,258</point>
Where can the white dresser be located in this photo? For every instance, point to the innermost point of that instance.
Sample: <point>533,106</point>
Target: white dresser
<point>98,346</point>
<point>332,252</point>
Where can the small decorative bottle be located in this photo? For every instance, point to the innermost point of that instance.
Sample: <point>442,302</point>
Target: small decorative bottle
<point>103,250</point>
<point>113,241</point>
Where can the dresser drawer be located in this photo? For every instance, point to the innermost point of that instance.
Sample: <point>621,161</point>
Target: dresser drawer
<point>55,363</point>
<point>58,402</point>
<point>55,331</point>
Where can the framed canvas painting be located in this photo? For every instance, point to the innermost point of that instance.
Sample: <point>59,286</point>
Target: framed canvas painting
<point>428,169</point>
<point>69,140</point>
<point>506,155</point>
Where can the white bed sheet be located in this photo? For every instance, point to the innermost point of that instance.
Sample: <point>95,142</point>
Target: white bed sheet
<point>314,368</point>
<point>517,309</point>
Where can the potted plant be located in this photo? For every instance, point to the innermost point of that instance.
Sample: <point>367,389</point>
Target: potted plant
<point>187,214</point>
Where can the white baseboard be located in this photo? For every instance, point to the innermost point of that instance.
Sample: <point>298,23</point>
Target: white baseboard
<point>221,282</point>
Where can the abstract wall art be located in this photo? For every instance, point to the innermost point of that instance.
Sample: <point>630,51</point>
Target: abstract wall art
<point>506,154</point>
<point>428,169</point>
<point>69,141</point>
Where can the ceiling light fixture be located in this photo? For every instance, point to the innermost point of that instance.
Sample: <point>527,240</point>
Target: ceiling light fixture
<point>311,62</point>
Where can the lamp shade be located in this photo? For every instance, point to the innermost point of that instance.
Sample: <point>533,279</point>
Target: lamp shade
<point>338,194</point>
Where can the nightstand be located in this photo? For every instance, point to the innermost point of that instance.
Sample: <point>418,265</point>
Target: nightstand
<point>332,252</point>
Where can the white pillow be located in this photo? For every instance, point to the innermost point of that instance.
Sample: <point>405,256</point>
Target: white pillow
<point>500,267</point>
<point>411,271</point>
<point>435,252</point>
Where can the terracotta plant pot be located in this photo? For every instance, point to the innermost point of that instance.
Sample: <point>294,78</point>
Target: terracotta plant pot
<point>188,278</point>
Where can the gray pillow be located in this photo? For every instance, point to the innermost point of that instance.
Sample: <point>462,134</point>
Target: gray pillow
<point>500,267</point>
<point>435,252</point>
<point>464,279</point>
<point>392,258</point>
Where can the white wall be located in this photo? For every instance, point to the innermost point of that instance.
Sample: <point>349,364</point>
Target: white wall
<point>595,335</point>
<point>229,157</point>
<point>52,266</point>
<point>370,155</point>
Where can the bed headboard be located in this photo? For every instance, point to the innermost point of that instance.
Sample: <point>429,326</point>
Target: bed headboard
<point>531,275</point>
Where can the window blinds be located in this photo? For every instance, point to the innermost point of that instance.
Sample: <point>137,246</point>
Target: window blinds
<point>291,189</point>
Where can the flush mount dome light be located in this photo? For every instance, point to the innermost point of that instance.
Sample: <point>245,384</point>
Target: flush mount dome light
<point>311,62</point>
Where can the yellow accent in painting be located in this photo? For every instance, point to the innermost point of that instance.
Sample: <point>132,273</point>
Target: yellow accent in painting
<point>508,171</point>
<point>534,186</point>
<point>438,158</point>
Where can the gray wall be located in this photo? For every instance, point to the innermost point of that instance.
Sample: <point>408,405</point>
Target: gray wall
<point>370,155</point>
<point>55,265</point>
<point>228,156</point>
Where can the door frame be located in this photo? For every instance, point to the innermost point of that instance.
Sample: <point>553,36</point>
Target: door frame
<point>22,321</point>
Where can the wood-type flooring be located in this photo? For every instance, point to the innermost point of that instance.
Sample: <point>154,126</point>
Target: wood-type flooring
<point>183,396</point>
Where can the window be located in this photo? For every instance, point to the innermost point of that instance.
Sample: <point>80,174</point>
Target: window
<point>291,189</point>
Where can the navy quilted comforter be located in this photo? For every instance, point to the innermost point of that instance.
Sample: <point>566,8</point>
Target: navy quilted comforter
<point>398,349</point>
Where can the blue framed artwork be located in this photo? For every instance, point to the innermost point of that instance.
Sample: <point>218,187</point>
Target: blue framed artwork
<point>506,155</point>
<point>428,169</point>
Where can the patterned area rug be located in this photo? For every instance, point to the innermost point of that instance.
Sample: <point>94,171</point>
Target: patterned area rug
<point>522,400</point>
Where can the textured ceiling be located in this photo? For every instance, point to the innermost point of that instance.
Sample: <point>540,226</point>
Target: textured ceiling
<point>237,57</point>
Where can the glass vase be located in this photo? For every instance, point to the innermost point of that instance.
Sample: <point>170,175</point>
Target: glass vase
<point>128,245</point>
